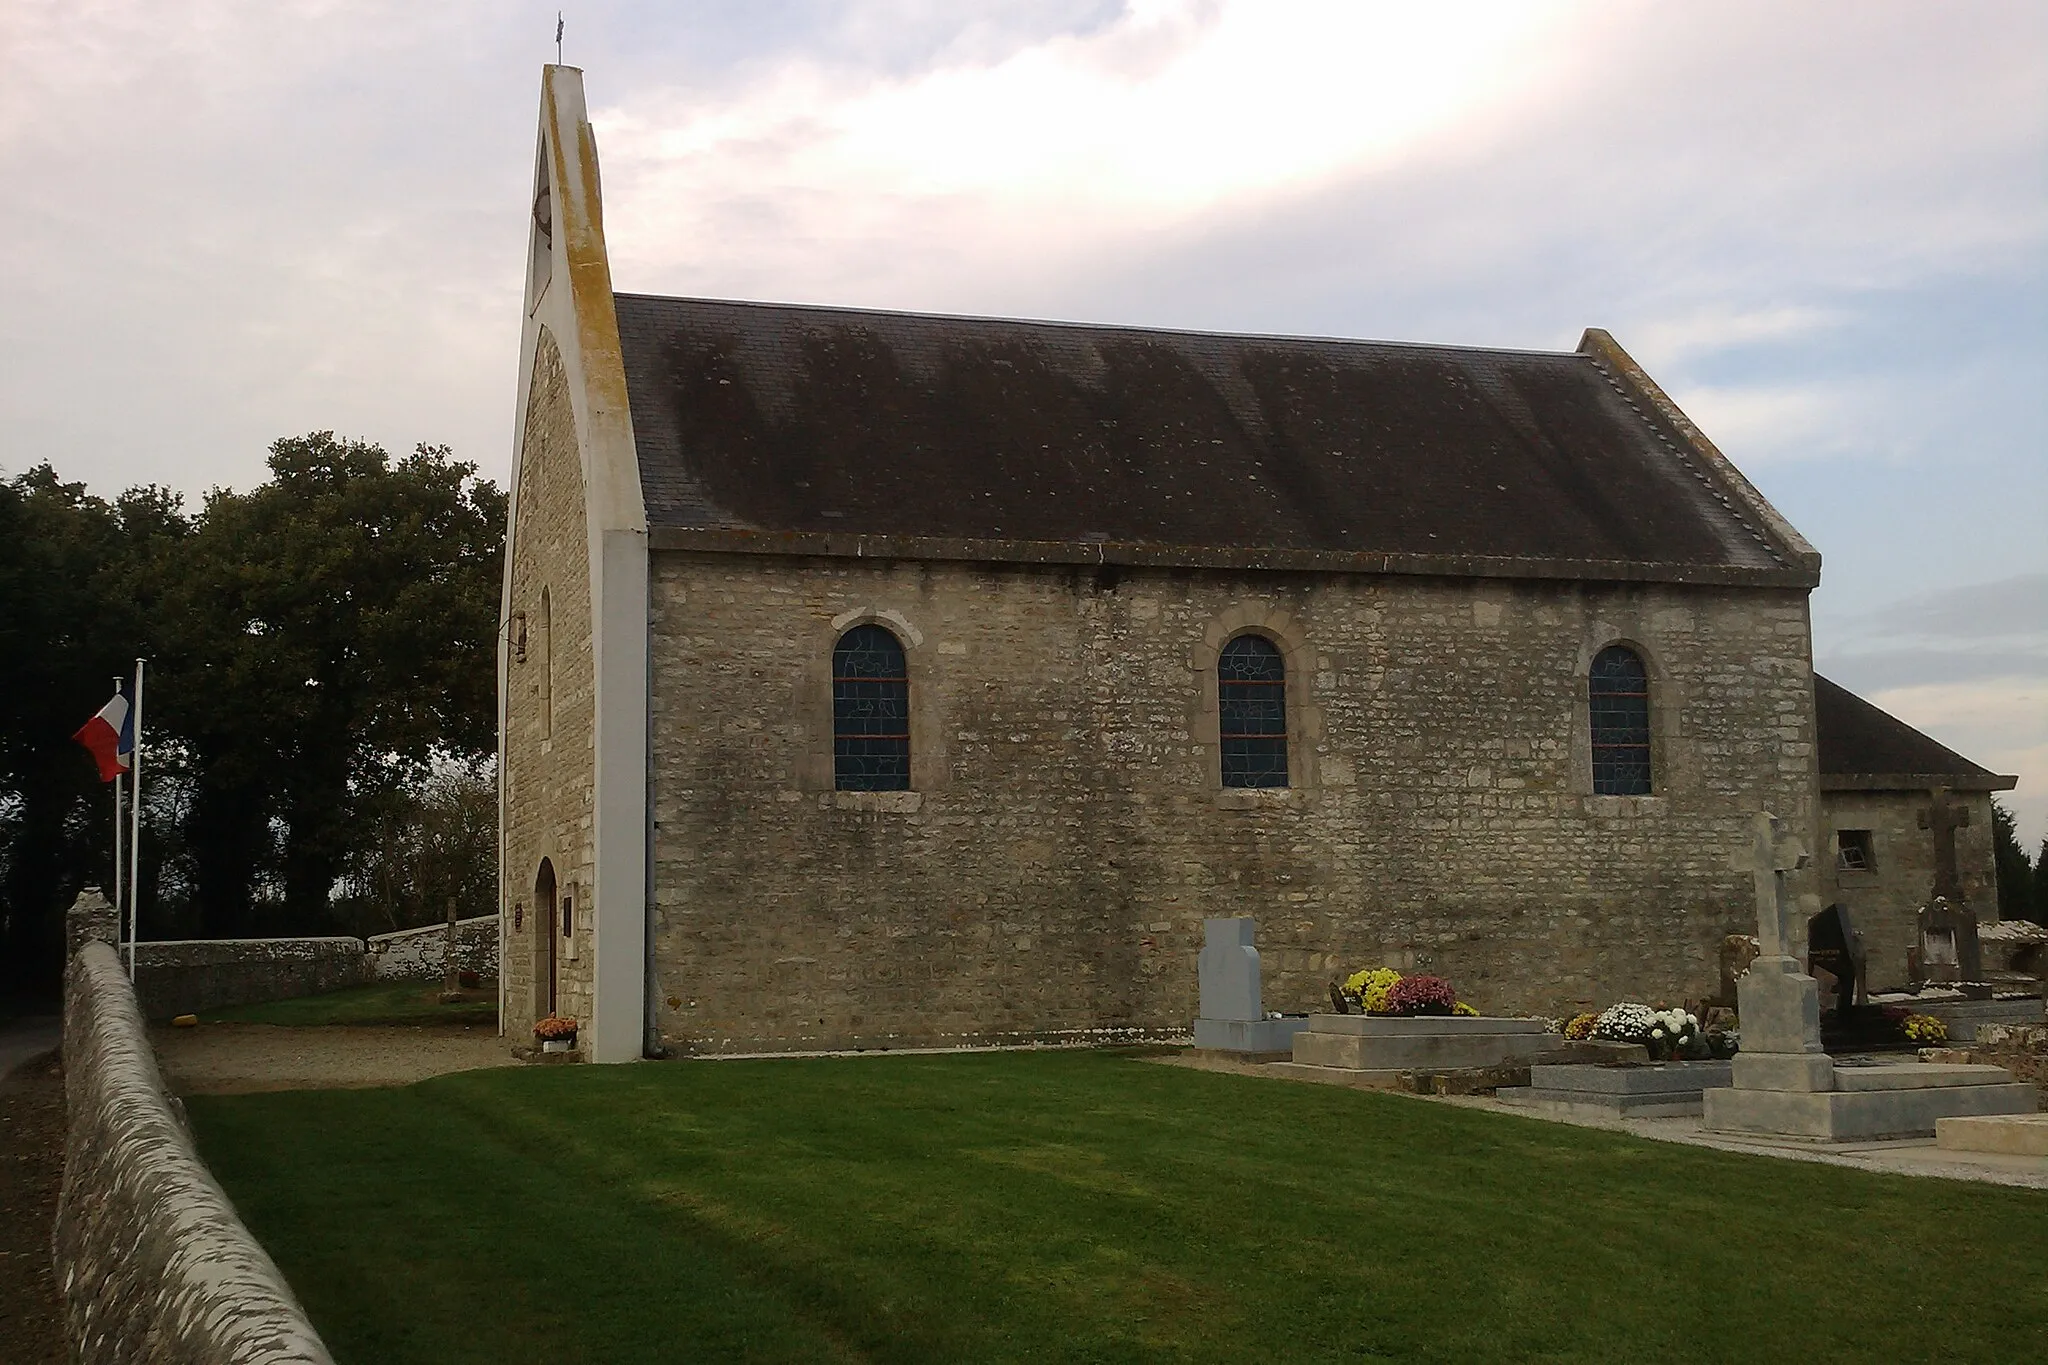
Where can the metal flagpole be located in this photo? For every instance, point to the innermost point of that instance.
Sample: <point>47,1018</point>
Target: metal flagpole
<point>135,831</point>
<point>119,685</point>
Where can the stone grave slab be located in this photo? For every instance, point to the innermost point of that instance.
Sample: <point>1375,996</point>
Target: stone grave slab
<point>1964,1016</point>
<point>1670,1090</point>
<point>2010,1134</point>
<point>1859,1115</point>
<point>1380,1043</point>
<point>1913,1075</point>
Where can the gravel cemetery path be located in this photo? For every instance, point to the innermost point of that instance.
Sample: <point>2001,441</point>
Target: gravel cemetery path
<point>233,1059</point>
<point>31,1170</point>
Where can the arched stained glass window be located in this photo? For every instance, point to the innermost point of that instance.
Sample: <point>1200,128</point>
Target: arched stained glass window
<point>1252,716</point>
<point>870,712</point>
<point>1619,695</point>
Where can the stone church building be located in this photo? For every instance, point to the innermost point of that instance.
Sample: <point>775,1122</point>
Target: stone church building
<point>874,679</point>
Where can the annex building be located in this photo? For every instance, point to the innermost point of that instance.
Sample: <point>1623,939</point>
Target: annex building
<point>876,679</point>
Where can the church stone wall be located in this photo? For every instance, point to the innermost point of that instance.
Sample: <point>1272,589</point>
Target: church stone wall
<point>1049,875</point>
<point>1884,900</point>
<point>549,768</point>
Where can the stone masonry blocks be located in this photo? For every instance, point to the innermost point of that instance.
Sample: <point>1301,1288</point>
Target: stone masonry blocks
<point>550,732</point>
<point>1068,835</point>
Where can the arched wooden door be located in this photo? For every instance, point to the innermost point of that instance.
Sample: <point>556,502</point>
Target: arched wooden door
<point>546,910</point>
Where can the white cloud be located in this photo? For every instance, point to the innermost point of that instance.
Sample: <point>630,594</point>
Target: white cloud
<point>1766,422</point>
<point>1057,151</point>
<point>2001,723</point>
<point>1716,326</point>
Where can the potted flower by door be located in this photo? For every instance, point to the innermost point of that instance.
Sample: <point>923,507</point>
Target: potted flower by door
<point>556,1034</point>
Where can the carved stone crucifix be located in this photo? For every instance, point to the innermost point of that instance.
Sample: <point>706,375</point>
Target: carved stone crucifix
<point>1776,852</point>
<point>1943,818</point>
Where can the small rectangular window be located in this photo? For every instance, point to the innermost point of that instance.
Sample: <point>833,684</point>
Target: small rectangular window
<point>1853,851</point>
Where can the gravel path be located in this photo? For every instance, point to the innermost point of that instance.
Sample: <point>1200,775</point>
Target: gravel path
<point>231,1059</point>
<point>31,1170</point>
<point>30,1036</point>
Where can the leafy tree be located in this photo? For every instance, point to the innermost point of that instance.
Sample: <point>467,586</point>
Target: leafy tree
<point>2015,874</point>
<point>321,657</point>
<point>77,603</point>
<point>2040,908</point>
<point>431,843</point>
<point>336,632</point>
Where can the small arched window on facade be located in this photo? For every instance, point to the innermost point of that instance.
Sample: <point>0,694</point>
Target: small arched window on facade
<point>545,684</point>
<point>1618,695</point>
<point>870,712</point>
<point>1251,714</point>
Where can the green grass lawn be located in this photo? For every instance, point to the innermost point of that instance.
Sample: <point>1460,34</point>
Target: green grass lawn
<point>383,1002</point>
<point>1074,1206</point>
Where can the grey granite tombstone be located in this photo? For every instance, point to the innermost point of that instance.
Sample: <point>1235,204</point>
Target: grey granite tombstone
<point>1233,1017</point>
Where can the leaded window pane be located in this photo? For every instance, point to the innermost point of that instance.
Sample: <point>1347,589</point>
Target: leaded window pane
<point>870,712</point>
<point>1619,702</point>
<point>1252,713</point>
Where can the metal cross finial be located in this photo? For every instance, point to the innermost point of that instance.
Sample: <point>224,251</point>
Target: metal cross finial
<point>558,37</point>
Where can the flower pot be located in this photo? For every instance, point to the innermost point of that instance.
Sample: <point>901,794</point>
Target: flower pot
<point>557,1044</point>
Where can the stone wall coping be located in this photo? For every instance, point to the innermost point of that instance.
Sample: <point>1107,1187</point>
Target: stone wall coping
<point>1916,782</point>
<point>149,943</point>
<point>152,1260</point>
<point>1419,1026</point>
<point>852,545</point>
<point>378,941</point>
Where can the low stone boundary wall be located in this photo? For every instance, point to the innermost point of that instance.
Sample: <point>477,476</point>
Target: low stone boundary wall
<point>186,976</point>
<point>190,975</point>
<point>416,954</point>
<point>153,1263</point>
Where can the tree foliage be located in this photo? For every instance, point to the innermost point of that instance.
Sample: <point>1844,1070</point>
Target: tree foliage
<point>2016,876</point>
<point>431,846</point>
<point>74,614</point>
<point>320,646</point>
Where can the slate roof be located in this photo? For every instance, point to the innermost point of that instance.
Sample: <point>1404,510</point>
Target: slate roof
<point>1863,748</point>
<point>762,424</point>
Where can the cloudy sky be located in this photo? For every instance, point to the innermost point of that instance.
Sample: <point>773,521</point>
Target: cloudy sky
<point>1823,227</point>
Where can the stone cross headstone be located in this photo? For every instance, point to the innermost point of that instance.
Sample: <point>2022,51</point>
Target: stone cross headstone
<point>1949,950</point>
<point>1833,946</point>
<point>1774,853</point>
<point>1228,971</point>
<point>1779,1005</point>
<point>1943,818</point>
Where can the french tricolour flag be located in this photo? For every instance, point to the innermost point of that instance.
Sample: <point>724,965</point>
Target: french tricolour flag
<point>110,736</point>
